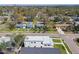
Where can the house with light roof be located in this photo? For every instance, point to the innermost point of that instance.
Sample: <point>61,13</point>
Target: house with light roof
<point>38,42</point>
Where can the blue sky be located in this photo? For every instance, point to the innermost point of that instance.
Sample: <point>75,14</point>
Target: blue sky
<point>39,2</point>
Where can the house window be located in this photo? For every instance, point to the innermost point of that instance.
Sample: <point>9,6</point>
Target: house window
<point>41,42</point>
<point>34,46</point>
<point>41,46</point>
<point>48,44</point>
<point>31,42</point>
<point>45,45</point>
<point>34,42</point>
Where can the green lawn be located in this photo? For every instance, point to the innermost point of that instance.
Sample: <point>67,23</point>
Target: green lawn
<point>57,40</point>
<point>37,30</point>
<point>52,31</point>
<point>14,30</point>
<point>61,47</point>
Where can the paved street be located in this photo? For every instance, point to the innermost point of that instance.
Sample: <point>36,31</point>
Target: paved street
<point>69,41</point>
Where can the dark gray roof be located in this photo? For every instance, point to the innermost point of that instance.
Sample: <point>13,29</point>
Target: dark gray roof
<point>1,52</point>
<point>39,51</point>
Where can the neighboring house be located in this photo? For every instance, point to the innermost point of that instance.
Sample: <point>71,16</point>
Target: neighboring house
<point>71,19</point>
<point>76,21</point>
<point>7,12</point>
<point>3,17</point>
<point>38,41</point>
<point>38,14</point>
<point>8,18</point>
<point>25,25</point>
<point>39,24</point>
<point>4,39</point>
<point>28,18</point>
<point>62,25</point>
<point>51,18</point>
<point>21,25</point>
<point>29,25</point>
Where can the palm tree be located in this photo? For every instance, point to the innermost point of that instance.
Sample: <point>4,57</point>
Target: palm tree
<point>18,40</point>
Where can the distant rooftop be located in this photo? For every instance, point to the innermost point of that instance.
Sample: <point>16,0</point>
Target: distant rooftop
<point>44,5</point>
<point>4,39</point>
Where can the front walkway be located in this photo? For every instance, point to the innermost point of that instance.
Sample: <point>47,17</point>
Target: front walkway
<point>60,30</point>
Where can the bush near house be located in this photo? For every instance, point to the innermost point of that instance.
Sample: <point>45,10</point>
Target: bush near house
<point>77,41</point>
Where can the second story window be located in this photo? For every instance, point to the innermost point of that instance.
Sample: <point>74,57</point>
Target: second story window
<point>41,42</point>
<point>34,42</point>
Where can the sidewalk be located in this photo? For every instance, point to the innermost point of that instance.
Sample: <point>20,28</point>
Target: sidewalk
<point>69,40</point>
<point>60,30</point>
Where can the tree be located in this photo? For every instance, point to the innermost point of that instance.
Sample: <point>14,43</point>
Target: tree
<point>77,39</point>
<point>66,19</point>
<point>3,47</point>
<point>76,29</point>
<point>4,21</point>
<point>11,25</point>
<point>51,24</point>
<point>56,19</point>
<point>45,28</point>
<point>18,39</point>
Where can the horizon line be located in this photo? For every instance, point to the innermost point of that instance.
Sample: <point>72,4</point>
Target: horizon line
<point>39,4</point>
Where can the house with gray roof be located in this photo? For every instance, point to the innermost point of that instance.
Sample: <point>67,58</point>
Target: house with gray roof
<point>39,51</point>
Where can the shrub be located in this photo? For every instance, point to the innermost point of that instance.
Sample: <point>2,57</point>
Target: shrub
<point>77,40</point>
